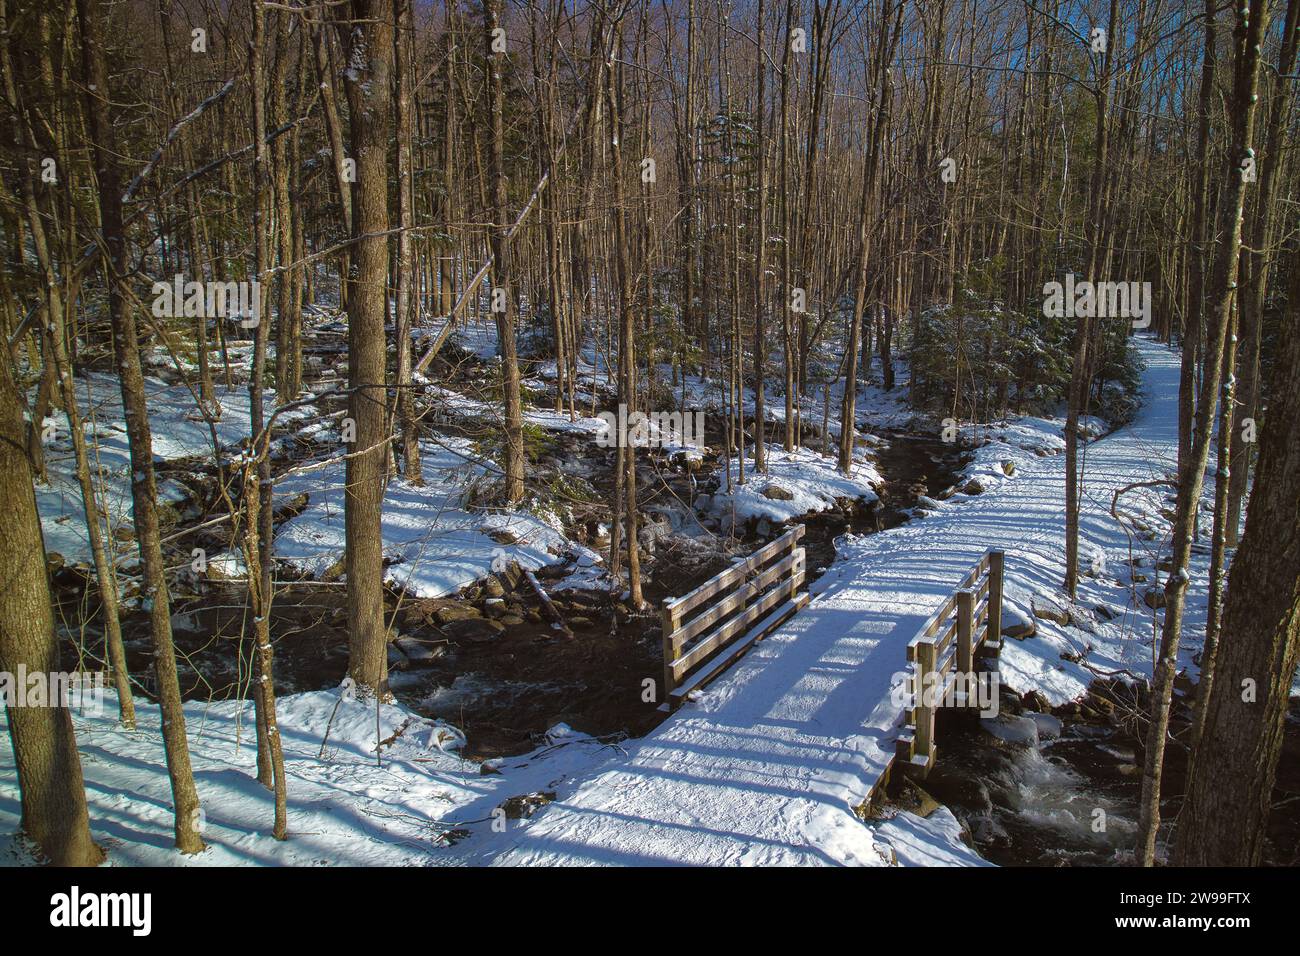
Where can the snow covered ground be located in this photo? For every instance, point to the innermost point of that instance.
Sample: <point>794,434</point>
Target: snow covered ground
<point>179,432</point>
<point>797,483</point>
<point>764,767</point>
<point>345,807</point>
<point>433,546</point>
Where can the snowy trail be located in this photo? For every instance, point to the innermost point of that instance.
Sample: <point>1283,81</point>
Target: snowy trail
<point>766,767</point>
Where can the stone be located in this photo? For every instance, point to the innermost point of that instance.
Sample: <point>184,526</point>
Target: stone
<point>524,806</point>
<point>1049,727</point>
<point>511,620</point>
<point>1048,610</point>
<point>1034,700</point>
<point>1011,730</point>
<point>1016,624</point>
<point>973,487</point>
<point>419,652</point>
<point>1009,468</point>
<point>335,570</point>
<point>413,617</point>
<point>951,785</point>
<point>1154,598</point>
<point>914,799</point>
<point>776,493</point>
<point>456,612</point>
<point>492,588</point>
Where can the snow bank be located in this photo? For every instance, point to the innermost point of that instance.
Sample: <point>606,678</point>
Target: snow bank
<point>432,546</point>
<point>179,433</point>
<point>346,806</point>
<point>797,483</point>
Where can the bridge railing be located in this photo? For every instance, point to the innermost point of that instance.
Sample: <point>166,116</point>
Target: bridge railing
<point>706,630</point>
<point>942,656</point>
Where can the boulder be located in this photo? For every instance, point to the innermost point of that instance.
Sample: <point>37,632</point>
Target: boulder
<point>1154,598</point>
<point>1034,700</point>
<point>953,785</point>
<point>1049,727</point>
<point>1011,730</point>
<point>1016,623</point>
<point>452,613</point>
<point>776,493</point>
<point>419,652</point>
<point>974,487</point>
<point>1048,610</point>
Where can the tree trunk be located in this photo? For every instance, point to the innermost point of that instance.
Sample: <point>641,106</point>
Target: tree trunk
<point>54,815</point>
<point>1229,790</point>
<point>144,490</point>
<point>368,83</point>
<point>503,293</point>
<point>1248,37</point>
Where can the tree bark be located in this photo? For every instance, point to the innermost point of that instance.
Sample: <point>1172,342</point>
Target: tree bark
<point>1229,790</point>
<point>54,815</point>
<point>1248,37</point>
<point>368,84</point>
<point>144,490</point>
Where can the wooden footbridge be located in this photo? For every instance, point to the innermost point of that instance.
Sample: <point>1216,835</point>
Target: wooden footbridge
<point>707,630</point>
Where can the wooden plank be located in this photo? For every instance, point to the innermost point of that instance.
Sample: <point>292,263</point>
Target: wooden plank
<point>669,679</point>
<point>736,626</point>
<point>924,713</point>
<point>721,662</point>
<point>996,567</point>
<point>724,580</point>
<point>965,631</point>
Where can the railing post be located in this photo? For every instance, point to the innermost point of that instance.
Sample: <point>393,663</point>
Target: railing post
<point>924,701</point>
<point>669,624</point>
<point>994,631</point>
<point>965,636</point>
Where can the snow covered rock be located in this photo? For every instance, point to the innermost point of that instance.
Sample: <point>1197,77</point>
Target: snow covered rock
<point>775,492</point>
<point>1012,731</point>
<point>1045,609</point>
<point>1016,623</point>
<point>1049,727</point>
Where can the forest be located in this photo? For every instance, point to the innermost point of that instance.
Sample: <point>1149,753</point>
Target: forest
<point>720,432</point>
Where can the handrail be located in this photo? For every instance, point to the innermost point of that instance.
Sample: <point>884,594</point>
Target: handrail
<point>943,649</point>
<point>708,628</point>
